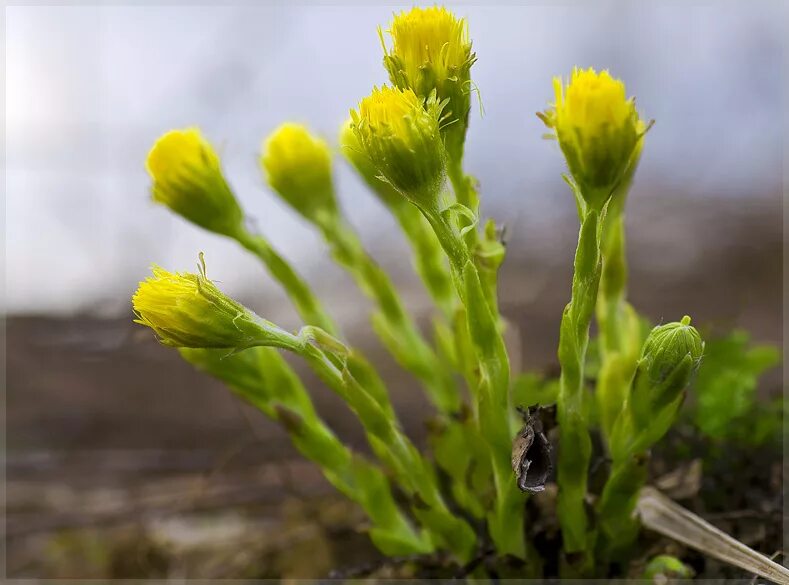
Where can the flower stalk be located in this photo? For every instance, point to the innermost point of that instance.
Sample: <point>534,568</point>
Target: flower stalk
<point>575,445</point>
<point>454,435</point>
<point>599,132</point>
<point>392,322</point>
<point>400,455</point>
<point>620,329</point>
<point>669,358</point>
<point>261,376</point>
<point>491,387</point>
<point>300,293</point>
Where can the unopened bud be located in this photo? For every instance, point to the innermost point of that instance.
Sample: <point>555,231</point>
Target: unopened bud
<point>668,345</point>
<point>399,134</point>
<point>431,52</point>
<point>670,356</point>
<point>188,310</point>
<point>187,178</point>
<point>298,167</point>
<point>598,130</point>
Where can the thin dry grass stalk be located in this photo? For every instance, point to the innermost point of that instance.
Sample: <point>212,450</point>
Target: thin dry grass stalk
<point>663,515</point>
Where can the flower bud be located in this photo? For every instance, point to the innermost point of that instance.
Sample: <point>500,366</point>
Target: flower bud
<point>669,344</point>
<point>670,356</point>
<point>352,150</point>
<point>298,167</point>
<point>188,310</point>
<point>187,178</point>
<point>598,129</point>
<point>399,133</point>
<point>431,51</point>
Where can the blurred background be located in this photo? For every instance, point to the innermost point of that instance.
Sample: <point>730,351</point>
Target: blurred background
<point>110,433</point>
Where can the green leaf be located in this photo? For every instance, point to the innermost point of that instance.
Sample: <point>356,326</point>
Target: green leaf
<point>725,388</point>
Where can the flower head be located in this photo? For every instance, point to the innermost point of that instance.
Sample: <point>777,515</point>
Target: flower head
<point>598,129</point>
<point>431,51</point>
<point>298,167</point>
<point>399,133</point>
<point>187,177</point>
<point>188,310</point>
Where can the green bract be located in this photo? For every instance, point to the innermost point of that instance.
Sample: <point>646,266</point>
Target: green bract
<point>399,134</point>
<point>669,346</point>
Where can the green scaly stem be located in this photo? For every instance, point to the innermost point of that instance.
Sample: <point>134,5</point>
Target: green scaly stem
<point>412,471</point>
<point>262,377</point>
<point>305,301</point>
<point>392,323</point>
<point>429,259</point>
<point>575,444</point>
<point>492,388</point>
<point>617,322</point>
<point>308,306</point>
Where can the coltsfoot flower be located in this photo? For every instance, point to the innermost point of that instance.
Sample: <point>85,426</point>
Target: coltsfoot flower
<point>188,310</point>
<point>399,133</point>
<point>431,51</point>
<point>598,129</point>
<point>187,177</point>
<point>297,165</point>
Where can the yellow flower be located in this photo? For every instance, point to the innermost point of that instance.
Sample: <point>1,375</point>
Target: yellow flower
<point>399,133</point>
<point>428,38</point>
<point>598,129</point>
<point>188,310</point>
<point>297,165</point>
<point>187,177</point>
<point>431,51</point>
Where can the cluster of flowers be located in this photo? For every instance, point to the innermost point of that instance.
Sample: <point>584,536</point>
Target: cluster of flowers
<point>406,140</point>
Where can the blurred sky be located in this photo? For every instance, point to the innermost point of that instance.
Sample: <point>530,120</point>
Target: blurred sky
<point>89,88</point>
